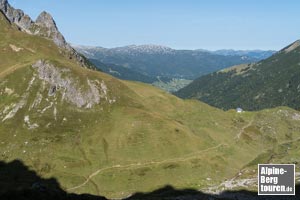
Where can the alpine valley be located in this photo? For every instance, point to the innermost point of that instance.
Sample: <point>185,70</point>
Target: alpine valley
<point>92,133</point>
<point>166,68</point>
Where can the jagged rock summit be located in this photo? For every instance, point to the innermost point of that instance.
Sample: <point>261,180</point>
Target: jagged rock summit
<point>45,19</point>
<point>44,26</point>
<point>16,16</point>
<point>50,30</point>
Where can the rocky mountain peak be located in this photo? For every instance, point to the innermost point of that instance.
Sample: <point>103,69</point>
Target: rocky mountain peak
<point>44,26</point>
<point>49,29</point>
<point>16,16</point>
<point>45,19</point>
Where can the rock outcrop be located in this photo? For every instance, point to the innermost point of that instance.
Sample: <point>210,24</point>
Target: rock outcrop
<point>60,80</point>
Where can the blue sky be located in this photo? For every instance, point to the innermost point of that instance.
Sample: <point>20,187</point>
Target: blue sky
<point>180,24</point>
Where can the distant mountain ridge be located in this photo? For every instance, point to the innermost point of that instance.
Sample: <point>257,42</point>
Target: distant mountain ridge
<point>150,48</point>
<point>257,54</point>
<point>269,83</point>
<point>156,60</point>
<point>147,48</point>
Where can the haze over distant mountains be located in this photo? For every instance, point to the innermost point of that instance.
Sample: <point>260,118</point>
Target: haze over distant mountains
<point>256,54</point>
<point>164,66</point>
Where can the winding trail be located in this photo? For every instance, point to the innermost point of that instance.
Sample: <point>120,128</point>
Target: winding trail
<point>237,137</point>
<point>187,157</point>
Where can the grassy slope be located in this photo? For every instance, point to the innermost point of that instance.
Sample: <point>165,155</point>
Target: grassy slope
<point>147,139</point>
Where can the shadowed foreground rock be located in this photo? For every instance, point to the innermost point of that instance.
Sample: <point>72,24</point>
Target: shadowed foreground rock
<point>17,182</point>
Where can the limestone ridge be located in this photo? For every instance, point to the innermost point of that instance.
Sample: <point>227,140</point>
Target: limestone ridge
<point>16,16</point>
<point>44,26</point>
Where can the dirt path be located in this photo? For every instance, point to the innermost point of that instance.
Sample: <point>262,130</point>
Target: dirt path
<point>237,137</point>
<point>13,68</point>
<point>187,157</point>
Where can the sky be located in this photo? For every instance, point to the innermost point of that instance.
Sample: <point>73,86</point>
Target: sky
<point>180,24</point>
